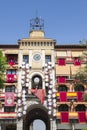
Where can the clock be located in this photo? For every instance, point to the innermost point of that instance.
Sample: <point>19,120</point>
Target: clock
<point>37,57</point>
<point>36,80</point>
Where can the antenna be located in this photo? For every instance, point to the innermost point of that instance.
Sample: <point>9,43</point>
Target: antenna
<point>36,24</point>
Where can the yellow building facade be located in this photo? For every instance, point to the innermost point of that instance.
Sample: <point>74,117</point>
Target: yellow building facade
<point>39,84</point>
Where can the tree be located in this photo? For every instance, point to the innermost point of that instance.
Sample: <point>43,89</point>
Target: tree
<point>81,76</point>
<point>2,69</point>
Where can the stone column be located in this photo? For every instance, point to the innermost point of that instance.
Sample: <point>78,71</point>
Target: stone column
<point>20,59</point>
<point>53,58</point>
<point>20,125</point>
<point>53,124</point>
<point>43,64</point>
<point>73,127</point>
<point>53,65</point>
<point>30,58</point>
<point>43,84</point>
<point>43,58</point>
<point>31,126</point>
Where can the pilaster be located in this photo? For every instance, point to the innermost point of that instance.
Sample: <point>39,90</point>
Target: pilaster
<point>20,125</point>
<point>30,58</point>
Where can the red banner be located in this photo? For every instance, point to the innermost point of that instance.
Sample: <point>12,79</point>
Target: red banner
<point>39,93</point>
<point>65,117</point>
<point>82,116</point>
<point>9,99</point>
<point>61,79</point>
<point>63,96</point>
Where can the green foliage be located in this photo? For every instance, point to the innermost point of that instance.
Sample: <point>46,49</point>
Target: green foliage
<point>2,62</point>
<point>85,97</point>
<point>2,68</point>
<point>81,75</point>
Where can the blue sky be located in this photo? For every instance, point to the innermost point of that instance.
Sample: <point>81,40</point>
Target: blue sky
<point>64,20</point>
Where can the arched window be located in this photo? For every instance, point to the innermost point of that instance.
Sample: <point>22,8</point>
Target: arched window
<point>79,87</point>
<point>63,107</point>
<point>62,88</point>
<point>37,82</point>
<point>80,107</point>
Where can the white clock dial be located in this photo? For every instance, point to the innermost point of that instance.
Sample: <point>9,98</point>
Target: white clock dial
<point>36,57</point>
<point>36,80</point>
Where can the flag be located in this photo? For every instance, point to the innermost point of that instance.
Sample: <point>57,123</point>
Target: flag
<point>9,99</point>
<point>39,93</point>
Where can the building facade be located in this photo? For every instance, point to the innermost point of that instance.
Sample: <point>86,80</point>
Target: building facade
<point>39,83</point>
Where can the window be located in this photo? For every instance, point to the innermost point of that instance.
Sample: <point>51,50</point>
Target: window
<point>79,87</point>
<point>9,109</point>
<point>37,82</point>
<point>77,61</point>
<point>61,61</point>
<point>10,88</point>
<point>10,126</point>
<point>11,72</point>
<point>63,107</point>
<point>12,59</point>
<point>47,58</point>
<point>62,88</point>
<point>11,76</point>
<point>80,107</point>
<point>26,58</point>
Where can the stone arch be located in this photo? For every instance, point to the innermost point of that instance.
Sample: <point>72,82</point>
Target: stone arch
<point>79,87</point>
<point>36,111</point>
<point>62,87</point>
<point>38,83</point>
<point>40,74</point>
<point>63,107</point>
<point>36,73</point>
<point>80,107</point>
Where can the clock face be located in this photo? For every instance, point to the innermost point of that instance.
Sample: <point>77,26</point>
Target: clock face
<point>36,57</point>
<point>36,80</point>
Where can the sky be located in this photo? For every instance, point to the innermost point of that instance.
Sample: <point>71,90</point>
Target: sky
<point>64,20</point>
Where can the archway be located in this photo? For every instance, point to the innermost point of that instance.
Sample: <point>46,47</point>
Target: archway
<point>62,87</point>
<point>37,82</point>
<point>79,87</point>
<point>36,111</point>
<point>80,107</point>
<point>63,107</point>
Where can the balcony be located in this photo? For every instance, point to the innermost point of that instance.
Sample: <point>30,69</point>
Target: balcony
<point>4,115</point>
<point>11,78</point>
<point>12,59</point>
<point>67,117</point>
<point>68,96</point>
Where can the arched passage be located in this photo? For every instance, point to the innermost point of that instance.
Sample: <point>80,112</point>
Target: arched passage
<point>34,112</point>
